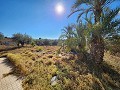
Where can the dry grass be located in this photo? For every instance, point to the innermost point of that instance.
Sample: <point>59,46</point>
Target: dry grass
<point>22,63</point>
<point>40,64</point>
<point>113,61</point>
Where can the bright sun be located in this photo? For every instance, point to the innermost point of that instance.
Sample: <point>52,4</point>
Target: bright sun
<point>59,8</point>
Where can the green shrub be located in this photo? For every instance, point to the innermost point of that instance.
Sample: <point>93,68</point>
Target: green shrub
<point>33,43</point>
<point>39,49</point>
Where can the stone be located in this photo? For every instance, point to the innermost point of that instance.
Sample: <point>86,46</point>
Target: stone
<point>60,55</point>
<point>54,80</point>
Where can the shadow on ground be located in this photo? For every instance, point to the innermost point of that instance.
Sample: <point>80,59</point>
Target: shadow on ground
<point>8,49</point>
<point>14,71</point>
<point>104,72</point>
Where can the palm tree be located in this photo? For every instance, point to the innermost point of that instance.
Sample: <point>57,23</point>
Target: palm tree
<point>108,26</point>
<point>80,36</point>
<point>103,23</point>
<point>74,38</point>
<point>68,37</point>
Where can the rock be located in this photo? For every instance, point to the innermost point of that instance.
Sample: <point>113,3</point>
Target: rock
<point>54,80</point>
<point>54,83</point>
<point>60,55</point>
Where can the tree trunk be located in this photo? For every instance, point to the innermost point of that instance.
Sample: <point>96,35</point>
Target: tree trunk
<point>22,43</point>
<point>97,49</point>
<point>18,44</point>
<point>97,42</point>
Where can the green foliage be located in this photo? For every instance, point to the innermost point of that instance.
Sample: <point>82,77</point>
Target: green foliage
<point>110,24</point>
<point>47,42</point>
<point>74,37</point>
<point>1,36</point>
<point>81,36</point>
<point>104,20</point>
<point>22,39</point>
<point>38,49</point>
<point>101,24</point>
<point>68,38</point>
<point>33,43</point>
<point>94,7</point>
<point>108,27</point>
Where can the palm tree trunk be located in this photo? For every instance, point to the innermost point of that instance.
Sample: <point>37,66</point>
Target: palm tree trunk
<point>97,49</point>
<point>97,42</point>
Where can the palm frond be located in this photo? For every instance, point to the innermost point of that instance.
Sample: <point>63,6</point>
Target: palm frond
<point>114,23</point>
<point>74,11</point>
<point>109,17</point>
<point>80,2</point>
<point>75,7</point>
<point>107,2</point>
<point>84,12</point>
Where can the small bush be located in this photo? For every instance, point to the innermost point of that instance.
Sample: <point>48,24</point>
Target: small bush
<point>39,49</point>
<point>33,43</point>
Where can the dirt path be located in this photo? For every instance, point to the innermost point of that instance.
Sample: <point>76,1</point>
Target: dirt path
<point>9,82</point>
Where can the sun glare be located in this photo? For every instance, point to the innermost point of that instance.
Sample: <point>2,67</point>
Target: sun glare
<point>119,13</point>
<point>59,8</point>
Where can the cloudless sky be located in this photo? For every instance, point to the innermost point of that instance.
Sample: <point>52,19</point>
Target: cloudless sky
<point>36,18</point>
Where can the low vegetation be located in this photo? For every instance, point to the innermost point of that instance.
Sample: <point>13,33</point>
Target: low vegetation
<point>38,68</point>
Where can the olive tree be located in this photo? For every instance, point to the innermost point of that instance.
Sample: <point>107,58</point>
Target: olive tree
<point>1,36</point>
<point>22,39</point>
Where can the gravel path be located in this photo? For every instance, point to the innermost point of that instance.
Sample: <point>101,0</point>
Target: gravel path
<point>9,82</point>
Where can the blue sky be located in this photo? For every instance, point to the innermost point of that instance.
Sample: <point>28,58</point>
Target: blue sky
<point>36,18</point>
